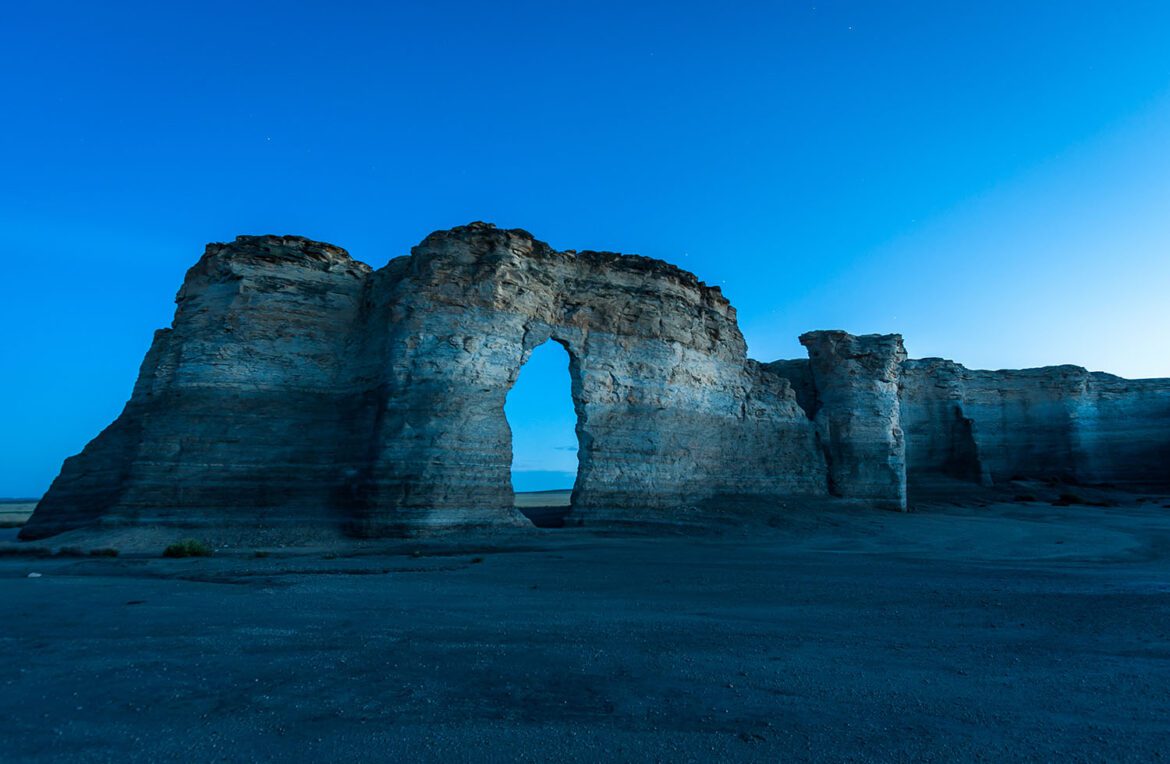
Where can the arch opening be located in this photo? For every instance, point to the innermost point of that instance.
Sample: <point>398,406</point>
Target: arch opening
<point>545,445</point>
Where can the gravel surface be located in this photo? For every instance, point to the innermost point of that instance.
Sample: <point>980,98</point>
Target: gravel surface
<point>1000,633</point>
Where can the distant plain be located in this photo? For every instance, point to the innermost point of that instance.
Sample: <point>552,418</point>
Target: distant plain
<point>14,512</point>
<point>543,498</point>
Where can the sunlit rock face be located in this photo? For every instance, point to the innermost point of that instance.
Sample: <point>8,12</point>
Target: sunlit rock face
<point>297,387</point>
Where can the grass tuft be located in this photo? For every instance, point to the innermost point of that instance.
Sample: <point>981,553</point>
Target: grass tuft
<point>188,548</point>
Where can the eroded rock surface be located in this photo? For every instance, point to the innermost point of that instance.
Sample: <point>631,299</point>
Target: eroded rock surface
<point>670,411</point>
<point>1056,423</point>
<point>240,408</point>
<point>299,387</point>
<point>858,414</point>
<point>300,392</point>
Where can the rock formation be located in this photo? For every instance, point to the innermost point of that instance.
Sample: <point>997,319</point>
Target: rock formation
<point>1057,423</point>
<point>858,414</point>
<point>298,388</point>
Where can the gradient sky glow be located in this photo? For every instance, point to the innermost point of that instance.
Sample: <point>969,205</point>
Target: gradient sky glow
<point>990,179</point>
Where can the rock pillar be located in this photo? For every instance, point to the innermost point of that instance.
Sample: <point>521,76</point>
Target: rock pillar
<point>859,419</point>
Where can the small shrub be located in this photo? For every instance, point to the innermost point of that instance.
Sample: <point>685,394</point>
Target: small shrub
<point>1025,497</point>
<point>260,553</point>
<point>476,560</point>
<point>103,552</point>
<point>188,548</point>
<point>1068,499</point>
<point>27,551</point>
<point>70,551</point>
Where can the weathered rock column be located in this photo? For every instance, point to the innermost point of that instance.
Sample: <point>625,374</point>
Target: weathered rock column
<point>859,420</point>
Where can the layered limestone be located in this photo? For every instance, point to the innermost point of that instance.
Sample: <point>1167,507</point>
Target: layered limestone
<point>299,391</point>
<point>299,387</point>
<point>241,408</point>
<point>1056,423</point>
<point>670,412</point>
<point>858,414</point>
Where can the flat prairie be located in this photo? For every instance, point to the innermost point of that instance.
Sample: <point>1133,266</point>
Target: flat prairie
<point>528,499</point>
<point>1005,632</point>
<point>14,513</point>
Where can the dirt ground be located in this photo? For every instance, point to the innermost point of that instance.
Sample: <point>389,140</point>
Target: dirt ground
<point>1011,632</point>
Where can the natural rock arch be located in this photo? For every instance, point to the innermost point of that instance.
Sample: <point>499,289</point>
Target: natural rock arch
<point>299,388</point>
<point>661,385</point>
<point>580,432</point>
<point>300,392</point>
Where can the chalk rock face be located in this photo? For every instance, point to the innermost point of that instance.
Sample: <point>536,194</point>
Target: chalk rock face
<point>297,387</point>
<point>1057,422</point>
<point>942,438</point>
<point>670,411</point>
<point>300,392</point>
<point>240,407</point>
<point>859,414</point>
<point>1122,431</point>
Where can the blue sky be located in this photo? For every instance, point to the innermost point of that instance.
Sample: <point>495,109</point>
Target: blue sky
<point>990,179</point>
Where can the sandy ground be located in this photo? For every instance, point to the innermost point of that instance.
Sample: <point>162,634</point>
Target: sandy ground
<point>1012,632</point>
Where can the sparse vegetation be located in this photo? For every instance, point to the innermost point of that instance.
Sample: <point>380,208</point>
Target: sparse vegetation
<point>25,551</point>
<point>260,554</point>
<point>476,560</point>
<point>1068,499</point>
<point>103,552</point>
<point>188,548</point>
<point>70,551</point>
<point>1025,497</point>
